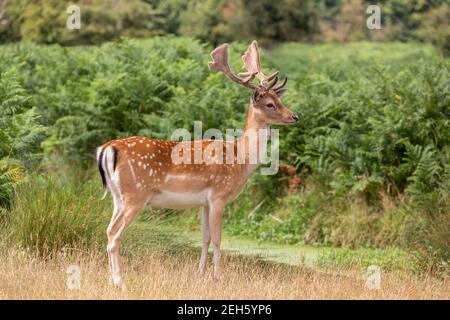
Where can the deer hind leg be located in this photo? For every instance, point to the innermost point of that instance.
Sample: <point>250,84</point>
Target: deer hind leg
<point>215,224</point>
<point>117,200</point>
<point>115,230</point>
<point>118,205</point>
<point>206,239</point>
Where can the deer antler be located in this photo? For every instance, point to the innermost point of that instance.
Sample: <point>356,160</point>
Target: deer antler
<point>220,63</point>
<point>280,88</point>
<point>252,65</point>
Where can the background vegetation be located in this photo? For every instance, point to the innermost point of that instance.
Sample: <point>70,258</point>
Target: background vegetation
<point>368,166</point>
<point>217,21</point>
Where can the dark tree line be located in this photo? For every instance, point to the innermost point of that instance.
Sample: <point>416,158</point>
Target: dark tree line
<point>44,21</point>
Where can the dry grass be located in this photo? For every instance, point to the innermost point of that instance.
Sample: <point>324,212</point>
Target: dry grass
<point>163,276</point>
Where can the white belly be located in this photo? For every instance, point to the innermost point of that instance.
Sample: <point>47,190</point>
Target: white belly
<point>179,200</point>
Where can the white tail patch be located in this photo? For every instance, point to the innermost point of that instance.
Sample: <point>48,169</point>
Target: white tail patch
<point>99,152</point>
<point>109,160</point>
<point>107,164</point>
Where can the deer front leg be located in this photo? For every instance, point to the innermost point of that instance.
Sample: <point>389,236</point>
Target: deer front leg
<point>206,239</point>
<point>215,224</point>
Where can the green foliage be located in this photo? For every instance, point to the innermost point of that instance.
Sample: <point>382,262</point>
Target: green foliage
<point>50,214</point>
<point>392,259</point>
<point>44,21</point>
<point>216,21</point>
<point>20,134</point>
<point>372,145</point>
<point>435,28</point>
<point>362,117</point>
<point>203,20</point>
<point>91,95</point>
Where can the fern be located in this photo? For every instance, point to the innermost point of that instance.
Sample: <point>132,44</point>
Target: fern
<point>20,135</point>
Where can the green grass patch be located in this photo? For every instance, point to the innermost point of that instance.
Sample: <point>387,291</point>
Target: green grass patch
<point>49,214</point>
<point>389,260</point>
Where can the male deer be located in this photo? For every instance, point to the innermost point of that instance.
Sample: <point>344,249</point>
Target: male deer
<point>140,171</point>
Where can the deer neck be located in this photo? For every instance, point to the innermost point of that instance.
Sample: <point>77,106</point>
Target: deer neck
<point>252,122</point>
<point>255,138</point>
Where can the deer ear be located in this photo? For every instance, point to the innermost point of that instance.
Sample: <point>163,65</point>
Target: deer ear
<point>280,92</point>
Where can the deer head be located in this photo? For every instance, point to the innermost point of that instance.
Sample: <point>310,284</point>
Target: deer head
<point>266,98</point>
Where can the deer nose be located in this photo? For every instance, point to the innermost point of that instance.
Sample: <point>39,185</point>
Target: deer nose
<point>295,117</point>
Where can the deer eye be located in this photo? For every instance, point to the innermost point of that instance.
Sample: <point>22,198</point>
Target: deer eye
<point>270,105</point>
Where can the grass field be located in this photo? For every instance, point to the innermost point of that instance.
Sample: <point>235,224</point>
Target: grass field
<point>160,260</point>
<point>154,275</point>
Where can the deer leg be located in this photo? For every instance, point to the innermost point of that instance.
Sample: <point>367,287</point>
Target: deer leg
<point>117,208</point>
<point>215,224</point>
<point>114,232</point>
<point>116,193</point>
<point>206,239</point>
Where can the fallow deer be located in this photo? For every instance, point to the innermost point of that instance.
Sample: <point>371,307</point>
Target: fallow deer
<point>140,171</point>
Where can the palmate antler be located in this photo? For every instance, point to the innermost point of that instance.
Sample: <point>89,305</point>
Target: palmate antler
<point>220,63</point>
<point>251,64</point>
